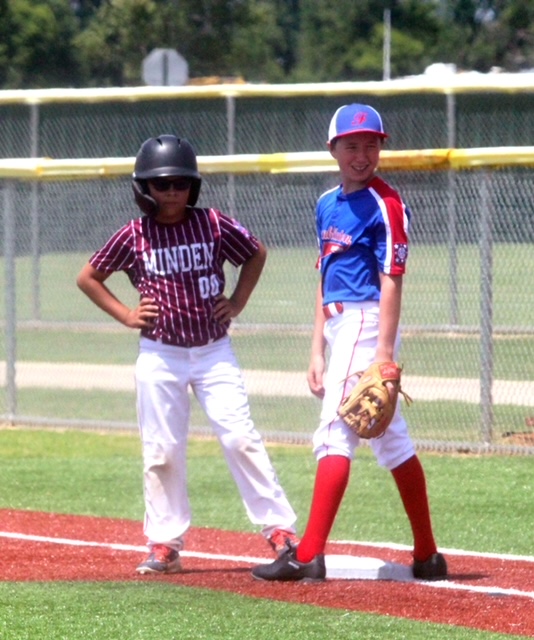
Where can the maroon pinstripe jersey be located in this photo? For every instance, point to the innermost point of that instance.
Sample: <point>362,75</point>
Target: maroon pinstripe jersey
<point>180,266</point>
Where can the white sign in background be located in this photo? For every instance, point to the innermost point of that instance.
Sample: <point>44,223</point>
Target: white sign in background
<point>165,68</point>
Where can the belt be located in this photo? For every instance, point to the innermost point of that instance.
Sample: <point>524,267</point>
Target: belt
<point>332,309</point>
<point>186,344</point>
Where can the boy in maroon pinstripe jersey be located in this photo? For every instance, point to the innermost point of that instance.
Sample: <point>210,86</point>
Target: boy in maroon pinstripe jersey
<point>174,257</point>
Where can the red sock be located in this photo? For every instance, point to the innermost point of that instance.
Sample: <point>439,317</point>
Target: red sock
<point>411,482</point>
<point>331,480</point>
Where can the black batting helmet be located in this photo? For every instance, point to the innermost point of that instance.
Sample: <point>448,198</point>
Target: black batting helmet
<point>161,157</point>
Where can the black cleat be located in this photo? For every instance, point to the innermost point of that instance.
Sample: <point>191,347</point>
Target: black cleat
<point>435,568</point>
<point>287,568</point>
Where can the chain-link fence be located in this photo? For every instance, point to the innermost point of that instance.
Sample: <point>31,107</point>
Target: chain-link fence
<point>468,314</point>
<point>460,112</point>
<point>468,311</point>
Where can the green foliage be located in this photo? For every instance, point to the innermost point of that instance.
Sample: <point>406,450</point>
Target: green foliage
<point>85,9</point>
<point>5,27</point>
<point>255,45</point>
<point>348,44</point>
<point>95,43</point>
<point>117,39</point>
<point>39,44</point>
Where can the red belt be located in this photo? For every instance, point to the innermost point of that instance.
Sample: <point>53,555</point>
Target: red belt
<point>332,309</point>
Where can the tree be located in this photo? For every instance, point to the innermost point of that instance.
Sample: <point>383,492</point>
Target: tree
<point>46,43</point>
<point>519,52</point>
<point>36,46</point>
<point>348,44</point>
<point>483,34</point>
<point>5,30</point>
<point>232,37</point>
<point>119,35</point>
<point>259,51</point>
<point>84,10</point>
<point>216,37</point>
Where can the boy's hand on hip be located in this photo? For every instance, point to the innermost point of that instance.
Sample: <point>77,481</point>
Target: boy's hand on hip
<point>225,309</point>
<point>143,316</point>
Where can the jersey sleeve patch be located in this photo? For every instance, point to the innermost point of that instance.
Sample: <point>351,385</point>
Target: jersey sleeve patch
<point>400,254</point>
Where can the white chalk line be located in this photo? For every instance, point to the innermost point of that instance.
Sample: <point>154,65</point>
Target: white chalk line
<point>126,547</point>
<point>438,584</point>
<point>452,552</point>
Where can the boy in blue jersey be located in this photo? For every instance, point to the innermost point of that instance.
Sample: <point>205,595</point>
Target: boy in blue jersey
<point>362,231</point>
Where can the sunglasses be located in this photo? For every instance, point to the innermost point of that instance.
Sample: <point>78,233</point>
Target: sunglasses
<point>164,184</point>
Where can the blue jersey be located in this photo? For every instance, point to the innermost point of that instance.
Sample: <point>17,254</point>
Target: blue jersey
<point>360,234</point>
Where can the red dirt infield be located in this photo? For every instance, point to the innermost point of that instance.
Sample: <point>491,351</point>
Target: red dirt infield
<point>491,594</point>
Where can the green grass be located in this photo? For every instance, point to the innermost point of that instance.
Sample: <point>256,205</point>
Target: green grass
<point>87,347</point>
<point>423,354</point>
<point>431,355</point>
<point>284,298</point>
<point>286,291</point>
<point>75,470</point>
<point>459,356</point>
<point>283,306</point>
<point>427,299</point>
<point>442,421</point>
<point>476,503</point>
<point>168,612</point>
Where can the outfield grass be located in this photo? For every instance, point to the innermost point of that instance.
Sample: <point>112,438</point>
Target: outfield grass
<point>477,502</point>
<point>286,291</point>
<point>111,611</point>
<point>423,354</point>
<point>284,299</point>
<point>442,421</point>
<point>281,310</point>
<point>430,355</point>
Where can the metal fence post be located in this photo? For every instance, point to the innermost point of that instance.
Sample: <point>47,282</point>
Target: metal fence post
<point>486,308</point>
<point>10,300</point>
<point>35,229</point>
<point>230,149</point>
<point>451,214</point>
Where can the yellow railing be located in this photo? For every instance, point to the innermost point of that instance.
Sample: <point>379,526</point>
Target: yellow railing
<point>436,84</point>
<point>426,159</point>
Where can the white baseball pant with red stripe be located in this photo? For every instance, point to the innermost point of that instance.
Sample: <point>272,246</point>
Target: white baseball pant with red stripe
<point>352,337</point>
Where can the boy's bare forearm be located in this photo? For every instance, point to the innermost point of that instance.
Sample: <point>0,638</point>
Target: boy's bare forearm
<point>389,317</point>
<point>249,275</point>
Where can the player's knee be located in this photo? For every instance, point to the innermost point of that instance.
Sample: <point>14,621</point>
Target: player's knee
<point>239,442</point>
<point>159,456</point>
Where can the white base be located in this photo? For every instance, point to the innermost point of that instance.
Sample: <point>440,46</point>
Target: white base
<point>339,567</point>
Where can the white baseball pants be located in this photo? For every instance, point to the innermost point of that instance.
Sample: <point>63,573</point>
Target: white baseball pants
<point>352,338</point>
<point>164,375</point>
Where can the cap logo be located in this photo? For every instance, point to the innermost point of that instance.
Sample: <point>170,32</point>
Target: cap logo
<point>359,118</point>
<point>355,118</point>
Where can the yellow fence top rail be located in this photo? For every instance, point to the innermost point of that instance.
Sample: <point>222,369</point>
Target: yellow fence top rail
<point>319,161</point>
<point>469,82</point>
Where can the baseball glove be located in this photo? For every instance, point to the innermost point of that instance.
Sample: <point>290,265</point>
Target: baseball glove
<point>369,408</point>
